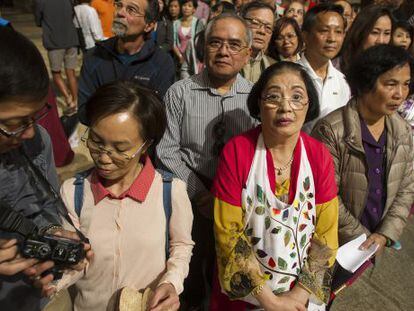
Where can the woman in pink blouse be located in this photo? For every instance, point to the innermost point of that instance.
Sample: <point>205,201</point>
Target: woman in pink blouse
<point>122,210</point>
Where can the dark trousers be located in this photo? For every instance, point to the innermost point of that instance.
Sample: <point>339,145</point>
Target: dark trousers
<point>198,284</point>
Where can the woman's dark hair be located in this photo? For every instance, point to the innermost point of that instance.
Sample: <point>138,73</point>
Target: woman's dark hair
<point>280,25</point>
<point>194,2</point>
<point>253,101</point>
<point>23,73</point>
<point>226,7</point>
<point>359,32</point>
<point>123,96</point>
<point>407,27</point>
<point>373,62</point>
<point>167,11</point>
<point>309,19</point>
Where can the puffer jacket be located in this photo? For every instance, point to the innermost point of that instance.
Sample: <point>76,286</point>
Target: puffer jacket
<point>341,133</point>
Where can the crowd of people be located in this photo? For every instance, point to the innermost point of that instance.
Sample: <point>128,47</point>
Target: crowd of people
<point>236,146</point>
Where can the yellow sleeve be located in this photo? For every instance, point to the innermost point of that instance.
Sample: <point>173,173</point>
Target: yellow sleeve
<point>238,269</point>
<point>316,274</point>
<point>326,230</point>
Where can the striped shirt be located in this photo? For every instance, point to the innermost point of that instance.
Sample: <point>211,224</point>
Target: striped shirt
<point>193,108</point>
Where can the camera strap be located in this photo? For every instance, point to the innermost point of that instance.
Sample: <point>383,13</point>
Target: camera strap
<point>51,192</point>
<point>13,221</point>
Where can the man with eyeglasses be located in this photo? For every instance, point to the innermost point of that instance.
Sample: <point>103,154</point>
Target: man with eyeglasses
<point>131,55</point>
<point>323,33</point>
<point>260,18</point>
<point>203,112</point>
<point>24,146</point>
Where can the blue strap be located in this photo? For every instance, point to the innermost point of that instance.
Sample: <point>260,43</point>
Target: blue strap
<point>4,22</point>
<point>167,179</point>
<point>79,182</point>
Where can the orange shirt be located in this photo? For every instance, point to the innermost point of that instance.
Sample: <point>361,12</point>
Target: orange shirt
<point>106,10</point>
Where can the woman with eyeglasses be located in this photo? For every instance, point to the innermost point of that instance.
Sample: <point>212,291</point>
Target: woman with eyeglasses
<point>276,204</point>
<point>123,209</point>
<point>286,42</point>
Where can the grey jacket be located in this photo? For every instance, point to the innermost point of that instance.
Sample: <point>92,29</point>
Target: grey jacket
<point>341,132</point>
<point>56,19</point>
<point>18,192</point>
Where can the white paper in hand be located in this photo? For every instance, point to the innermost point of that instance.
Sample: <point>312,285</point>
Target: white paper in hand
<point>350,257</point>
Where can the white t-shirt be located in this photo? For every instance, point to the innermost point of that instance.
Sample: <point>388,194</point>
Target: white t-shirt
<point>333,93</point>
<point>90,24</point>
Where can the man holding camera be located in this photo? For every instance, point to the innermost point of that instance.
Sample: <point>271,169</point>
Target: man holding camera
<point>26,166</point>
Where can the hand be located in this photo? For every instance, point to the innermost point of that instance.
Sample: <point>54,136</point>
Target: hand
<point>165,298</point>
<point>271,302</point>
<point>44,282</point>
<point>35,272</point>
<point>375,238</point>
<point>298,293</point>
<point>87,247</point>
<point>205,204</point>
<point>10,261</point>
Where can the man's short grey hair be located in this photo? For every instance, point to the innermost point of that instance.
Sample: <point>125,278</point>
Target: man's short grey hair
<point>249,35</point>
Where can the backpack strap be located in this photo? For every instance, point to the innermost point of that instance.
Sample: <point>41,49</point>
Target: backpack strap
<point>167,179</point>
<point>79,182</point>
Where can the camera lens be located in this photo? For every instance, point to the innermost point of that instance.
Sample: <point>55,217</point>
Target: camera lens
<point>44,251</point>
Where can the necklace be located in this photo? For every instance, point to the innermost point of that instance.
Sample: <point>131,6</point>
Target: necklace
<point>285,167</point>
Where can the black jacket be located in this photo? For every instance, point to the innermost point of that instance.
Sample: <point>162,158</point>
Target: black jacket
<point>150,67</point>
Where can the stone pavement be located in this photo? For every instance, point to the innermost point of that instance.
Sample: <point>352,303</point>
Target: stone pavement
<point>388,287</point>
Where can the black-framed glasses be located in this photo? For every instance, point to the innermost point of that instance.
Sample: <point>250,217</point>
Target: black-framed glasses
<point>118,157</point>
<point>27,124</point>
<point>234,47</point>
<point>257,24</point>
<point>273,101</point>
<point>130,9</point>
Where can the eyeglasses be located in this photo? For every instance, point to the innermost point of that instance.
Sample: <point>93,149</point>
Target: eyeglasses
<point>257,24</point>
<point>234,47</point>
<point>289,37</point>
<point>119,158</point>
<point>273,101</point>
<point>129,9</point>
<point>29,123</point>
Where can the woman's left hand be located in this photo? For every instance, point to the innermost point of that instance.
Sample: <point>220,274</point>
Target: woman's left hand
<point>165,298</point>
<point>299,294</point>
<point>375,238</point>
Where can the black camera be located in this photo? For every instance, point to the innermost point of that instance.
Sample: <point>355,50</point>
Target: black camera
<point>64,252</point>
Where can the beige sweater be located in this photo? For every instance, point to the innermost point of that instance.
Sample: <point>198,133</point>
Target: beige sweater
<point>128,240</point>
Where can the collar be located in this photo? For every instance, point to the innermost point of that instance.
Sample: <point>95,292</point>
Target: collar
<point>138,190</point>
<point>297,56</point>
<point>368,138</point>
<point>329,75</point>
<point>258,57</point>
<point>201,81</point>
<point>109,45</point>
<point>397,129</point>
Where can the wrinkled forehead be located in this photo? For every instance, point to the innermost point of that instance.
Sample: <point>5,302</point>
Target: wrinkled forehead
<point>228,28</point>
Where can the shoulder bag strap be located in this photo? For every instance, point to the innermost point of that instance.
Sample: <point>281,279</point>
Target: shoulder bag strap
<point>167,179</point>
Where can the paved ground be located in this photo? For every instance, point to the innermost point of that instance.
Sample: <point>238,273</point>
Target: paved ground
<point>389,287</point>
